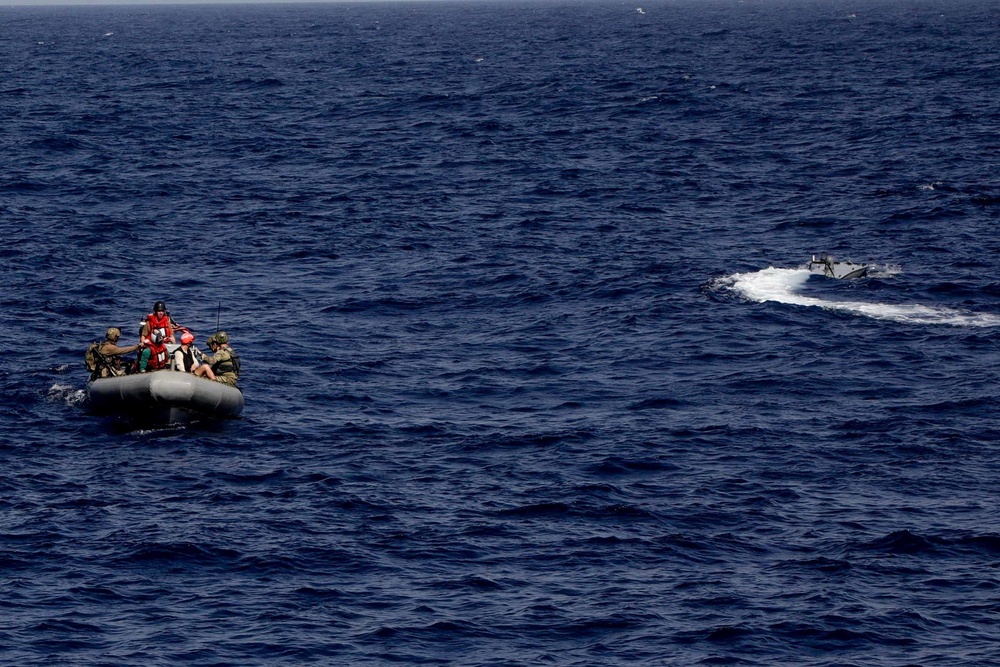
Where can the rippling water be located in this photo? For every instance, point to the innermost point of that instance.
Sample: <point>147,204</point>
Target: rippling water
<point>533,370</point>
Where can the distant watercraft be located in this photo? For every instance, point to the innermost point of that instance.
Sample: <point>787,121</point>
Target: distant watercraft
<point>826,266</point>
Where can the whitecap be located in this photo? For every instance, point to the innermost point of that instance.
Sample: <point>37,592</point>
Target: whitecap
<point>61,393</point>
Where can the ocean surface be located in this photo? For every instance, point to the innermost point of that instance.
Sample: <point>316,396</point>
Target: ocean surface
<point>534,372</point>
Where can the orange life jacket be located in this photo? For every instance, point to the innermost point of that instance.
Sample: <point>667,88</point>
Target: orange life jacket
<point>161,324</point>
<point>157,357</point>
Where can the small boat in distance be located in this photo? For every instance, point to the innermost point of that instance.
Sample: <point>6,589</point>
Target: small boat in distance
<point>825,265</point>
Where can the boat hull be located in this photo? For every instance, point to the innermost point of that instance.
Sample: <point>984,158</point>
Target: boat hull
<point>165,395</point>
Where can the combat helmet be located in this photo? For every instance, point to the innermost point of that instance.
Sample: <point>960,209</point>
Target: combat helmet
<point>219,337</point>
<point>113,333</point>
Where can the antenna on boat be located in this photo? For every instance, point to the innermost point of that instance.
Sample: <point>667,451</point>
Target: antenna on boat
<point>218,318</point>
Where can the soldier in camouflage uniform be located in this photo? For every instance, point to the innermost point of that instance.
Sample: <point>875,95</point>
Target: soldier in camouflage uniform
<point>111,355</point>
<point>224,361</point>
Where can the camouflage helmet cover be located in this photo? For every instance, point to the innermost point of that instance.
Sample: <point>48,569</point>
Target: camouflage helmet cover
<point>113,333</point>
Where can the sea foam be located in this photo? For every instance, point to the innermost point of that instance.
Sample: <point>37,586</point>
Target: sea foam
<point>783,285</point>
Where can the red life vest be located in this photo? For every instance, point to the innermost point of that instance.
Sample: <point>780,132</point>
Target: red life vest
<point>157,357</point>
<point>159,323</point>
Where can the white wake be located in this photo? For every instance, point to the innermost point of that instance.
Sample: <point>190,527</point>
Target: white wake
<point>782,285</point>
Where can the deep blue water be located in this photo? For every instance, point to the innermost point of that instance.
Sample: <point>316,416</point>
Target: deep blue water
<point>533,371</point>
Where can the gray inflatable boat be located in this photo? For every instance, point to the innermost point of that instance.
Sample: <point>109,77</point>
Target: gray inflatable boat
<point>164,396</point>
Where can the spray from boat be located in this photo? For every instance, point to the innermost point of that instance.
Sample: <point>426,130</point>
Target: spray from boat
<point>785,285</point>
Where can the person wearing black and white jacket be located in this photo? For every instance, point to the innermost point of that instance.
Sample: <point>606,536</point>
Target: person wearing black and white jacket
<point>187,358</point>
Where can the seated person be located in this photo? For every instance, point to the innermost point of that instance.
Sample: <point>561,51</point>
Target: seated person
<point>224,361</point>
<point>154,354</point>
<point>187,358</point>
<point>109,355</point>
<point>160,320</point>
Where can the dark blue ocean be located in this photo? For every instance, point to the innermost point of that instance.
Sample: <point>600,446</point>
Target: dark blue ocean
<point>534,372</point>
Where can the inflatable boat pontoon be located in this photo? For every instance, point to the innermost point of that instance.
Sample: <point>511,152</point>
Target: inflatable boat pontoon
<point>164,396</point>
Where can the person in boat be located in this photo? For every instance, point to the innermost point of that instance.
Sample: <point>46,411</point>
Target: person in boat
<point>224,361</point>
<point>187,358</point>
<point>160,320</point>
<point>154,353</point>
<point>109,355</point>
